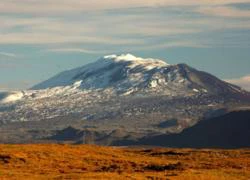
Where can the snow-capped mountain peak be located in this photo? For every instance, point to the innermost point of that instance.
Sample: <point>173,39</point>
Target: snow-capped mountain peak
<point>127,74</point>
<point>124,57</point>
<point>135,60</point>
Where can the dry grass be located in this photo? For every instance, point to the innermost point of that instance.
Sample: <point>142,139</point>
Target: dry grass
<point>95,162</point>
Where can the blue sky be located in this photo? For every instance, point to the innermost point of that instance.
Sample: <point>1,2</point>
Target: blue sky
<point>39,38</point>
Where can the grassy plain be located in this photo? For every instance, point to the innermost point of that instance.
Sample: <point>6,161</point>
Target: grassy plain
<point>53,161</point>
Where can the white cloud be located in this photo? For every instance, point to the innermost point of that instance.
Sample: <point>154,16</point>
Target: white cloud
<point>66,6</point>
<point>224,11</point>
<point>139,27</point>
<point>52,38</point>
<point>77,50</point>
<point>100,29</point>
<point>107,29</point>
<point>243,82</point>
<point>133,48</point>
<point>7,54</point>
<point>167,45</point>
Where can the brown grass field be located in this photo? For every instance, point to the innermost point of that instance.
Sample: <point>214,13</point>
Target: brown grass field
<point>96,162</point>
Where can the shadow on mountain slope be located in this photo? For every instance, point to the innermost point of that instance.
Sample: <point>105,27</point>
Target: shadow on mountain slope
<point>227,131</point>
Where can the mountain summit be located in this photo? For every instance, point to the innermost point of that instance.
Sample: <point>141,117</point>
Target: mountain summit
<point>123,71</point>
<point>127,74</point>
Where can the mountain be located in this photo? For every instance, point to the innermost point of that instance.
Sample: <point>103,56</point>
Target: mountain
<point>228,131</point>
<point>146,97</point>
<point>127,74</point>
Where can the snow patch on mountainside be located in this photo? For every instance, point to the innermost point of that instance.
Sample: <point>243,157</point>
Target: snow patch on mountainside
<point>11,96</point>
<point>148,63</point>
